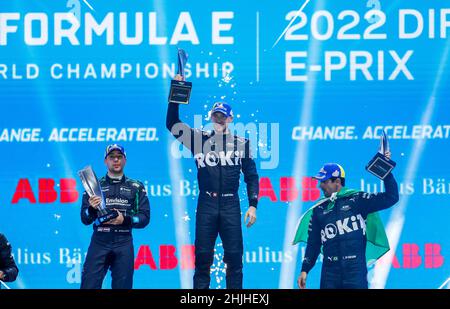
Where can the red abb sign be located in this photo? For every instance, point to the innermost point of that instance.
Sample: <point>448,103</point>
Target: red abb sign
<point>412,257</point>
<point>46,192</point>
<point>289,190</point>
<point>167,257</point>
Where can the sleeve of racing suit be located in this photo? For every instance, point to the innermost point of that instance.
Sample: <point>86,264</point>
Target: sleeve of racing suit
<point>141,217</point>
<point>251,177</point>
<point>88,213</point>
<point>9,266</point>
<point>180,130</point>
<point>372,202</point>
<point>313,245</point>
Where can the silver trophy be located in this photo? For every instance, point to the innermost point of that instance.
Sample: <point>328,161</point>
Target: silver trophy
<point>381,166</point>
<point>180,91</point>
<point>92,186</point>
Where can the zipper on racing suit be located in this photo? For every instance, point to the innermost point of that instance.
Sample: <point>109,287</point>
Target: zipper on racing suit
<point>340,260</point>
<point>220,172</point>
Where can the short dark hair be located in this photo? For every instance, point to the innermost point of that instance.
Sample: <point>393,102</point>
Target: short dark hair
<point>341,178</point>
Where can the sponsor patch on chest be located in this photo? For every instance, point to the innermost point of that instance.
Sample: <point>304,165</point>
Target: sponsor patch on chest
<point>346,207</point>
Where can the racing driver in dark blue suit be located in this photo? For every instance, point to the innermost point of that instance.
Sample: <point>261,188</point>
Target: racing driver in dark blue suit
<point>112,241</point>
<point>341,230</point>
<point>220,158</point>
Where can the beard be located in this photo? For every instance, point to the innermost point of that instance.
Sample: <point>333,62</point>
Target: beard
<point>116,170</point>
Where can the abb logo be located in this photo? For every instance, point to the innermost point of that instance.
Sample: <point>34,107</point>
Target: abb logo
<point>46,191</point>
<point>413,258</point>
<point>288,189</point>
<point>167,257</point>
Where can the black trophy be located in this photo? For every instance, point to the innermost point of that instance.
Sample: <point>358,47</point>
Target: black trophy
<point>381,166</point>
<point>92,186</point>
<point>180,91</point>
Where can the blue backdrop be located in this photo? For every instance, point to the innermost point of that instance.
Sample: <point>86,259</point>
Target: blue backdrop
<point>313,82</point>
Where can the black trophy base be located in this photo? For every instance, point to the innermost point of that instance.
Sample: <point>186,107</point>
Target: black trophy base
<point>380,166</point>
<point>180,92</point>
<point>107,217</point>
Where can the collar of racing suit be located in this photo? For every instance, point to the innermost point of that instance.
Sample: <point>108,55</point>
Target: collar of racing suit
<point>344,192</point>
<point>111,181</point>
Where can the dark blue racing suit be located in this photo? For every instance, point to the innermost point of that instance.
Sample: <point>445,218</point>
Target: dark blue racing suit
<point>112,245</point>
<point>220,158</point>
<point>342,233</point>
<point>7,264</point>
